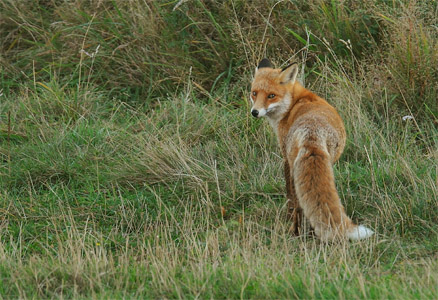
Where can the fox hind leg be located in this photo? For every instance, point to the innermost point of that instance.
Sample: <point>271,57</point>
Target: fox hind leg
<point>295,213</point>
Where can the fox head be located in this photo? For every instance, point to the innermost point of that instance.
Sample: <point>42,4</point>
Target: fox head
<point>271,89</point>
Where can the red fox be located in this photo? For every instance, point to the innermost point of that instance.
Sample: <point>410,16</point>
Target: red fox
<point>312,137</point>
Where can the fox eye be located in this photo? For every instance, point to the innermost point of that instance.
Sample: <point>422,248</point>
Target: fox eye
<point>270,96</point>
<point>254,93</point>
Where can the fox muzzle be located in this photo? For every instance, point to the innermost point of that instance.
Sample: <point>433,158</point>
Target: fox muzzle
<point>257,113</point>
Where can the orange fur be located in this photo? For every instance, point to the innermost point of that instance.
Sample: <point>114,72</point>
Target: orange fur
<point>312,137</point>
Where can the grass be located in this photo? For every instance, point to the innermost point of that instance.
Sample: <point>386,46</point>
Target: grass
<point>137,171</point>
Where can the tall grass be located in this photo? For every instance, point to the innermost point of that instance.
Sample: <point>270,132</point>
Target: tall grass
<point>130,167</point>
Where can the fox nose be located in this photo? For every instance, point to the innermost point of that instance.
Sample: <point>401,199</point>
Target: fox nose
<point>255,113</point>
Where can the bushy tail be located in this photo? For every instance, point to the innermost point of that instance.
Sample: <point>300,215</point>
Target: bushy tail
<point>316,191</point>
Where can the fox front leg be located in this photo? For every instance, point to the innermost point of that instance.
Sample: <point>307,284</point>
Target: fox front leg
<point>295,212</point>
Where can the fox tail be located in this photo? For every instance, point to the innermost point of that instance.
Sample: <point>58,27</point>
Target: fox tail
<point>317,196</point>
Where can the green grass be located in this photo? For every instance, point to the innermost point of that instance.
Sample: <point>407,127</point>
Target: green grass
<point>137,172</point>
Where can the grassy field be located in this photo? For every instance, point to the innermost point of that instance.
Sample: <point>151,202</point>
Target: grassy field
<point>130,166</point>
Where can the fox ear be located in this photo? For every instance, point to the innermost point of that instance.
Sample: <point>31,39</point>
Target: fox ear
<point>289,73</point>
<point>264,63</point>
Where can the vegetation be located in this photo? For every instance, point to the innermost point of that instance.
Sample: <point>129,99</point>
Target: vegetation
<point>130,166</point>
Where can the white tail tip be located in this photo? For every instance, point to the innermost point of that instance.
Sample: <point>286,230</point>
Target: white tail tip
<point>360,232</point>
